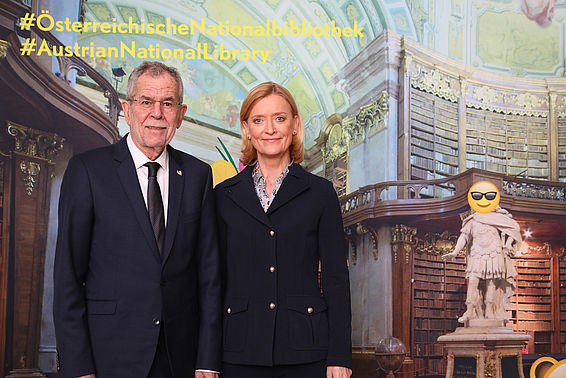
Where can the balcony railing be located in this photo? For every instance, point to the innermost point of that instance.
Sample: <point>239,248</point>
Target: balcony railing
<point>370,197</point>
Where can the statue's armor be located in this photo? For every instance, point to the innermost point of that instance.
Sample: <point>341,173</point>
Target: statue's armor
<point>486,259</point>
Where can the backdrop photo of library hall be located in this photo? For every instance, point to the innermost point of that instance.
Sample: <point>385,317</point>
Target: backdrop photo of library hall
<point>436,96</point>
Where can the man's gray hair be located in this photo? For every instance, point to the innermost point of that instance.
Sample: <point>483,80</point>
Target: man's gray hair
<point>154,69</point>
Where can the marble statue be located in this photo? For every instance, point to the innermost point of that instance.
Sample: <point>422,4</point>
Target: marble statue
<point>492,239</point>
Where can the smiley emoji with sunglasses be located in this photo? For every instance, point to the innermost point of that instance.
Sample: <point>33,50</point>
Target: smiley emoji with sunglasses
<point>483,197</point>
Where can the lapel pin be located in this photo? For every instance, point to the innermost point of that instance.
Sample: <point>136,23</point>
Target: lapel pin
<point>180,173</point>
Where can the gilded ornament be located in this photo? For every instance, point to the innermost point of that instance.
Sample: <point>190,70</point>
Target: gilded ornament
<point>4,45</point>
<point>463,87</point>
<point>526,100</point>
<point>490,369</point>
<point>543,249</point>
<point>336,144</point>
<point>361,229</point>
<point>561,106</point>
<point>402,234</point>
<point>487,98</point>
<point>436,83</point>
<point>348,234</point>
<point>436,243</point>
<point>487,95</point>
<point>370,119</point>
<point>29,169</point>
<point>35,143</point>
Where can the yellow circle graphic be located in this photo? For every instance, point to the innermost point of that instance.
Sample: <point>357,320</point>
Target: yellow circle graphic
<point>483,197</point>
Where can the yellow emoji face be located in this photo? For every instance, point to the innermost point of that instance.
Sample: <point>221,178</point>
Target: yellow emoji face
<point>483,197</point>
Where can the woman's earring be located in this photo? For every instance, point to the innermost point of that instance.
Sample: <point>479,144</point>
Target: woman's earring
<point>294,133</point>
<point>249,137</point>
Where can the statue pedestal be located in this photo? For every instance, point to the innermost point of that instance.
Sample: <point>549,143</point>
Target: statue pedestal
<point>484,349</point>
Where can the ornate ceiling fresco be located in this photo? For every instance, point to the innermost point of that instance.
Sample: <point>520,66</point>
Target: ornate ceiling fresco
<point>491,35</point>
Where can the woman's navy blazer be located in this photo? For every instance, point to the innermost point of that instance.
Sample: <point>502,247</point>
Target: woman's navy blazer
<point>275,311</point>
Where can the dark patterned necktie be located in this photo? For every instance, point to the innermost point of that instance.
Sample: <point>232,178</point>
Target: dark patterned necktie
<point>155,204</point>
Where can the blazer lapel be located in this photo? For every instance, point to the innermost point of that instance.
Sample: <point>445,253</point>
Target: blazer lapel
<point>242,192</point>
<point>176,184</point>
<point>294,184</point>
<point>130,183</point>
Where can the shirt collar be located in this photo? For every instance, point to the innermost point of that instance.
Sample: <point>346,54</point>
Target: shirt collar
<point>258,176</point>
<point>140,159</point>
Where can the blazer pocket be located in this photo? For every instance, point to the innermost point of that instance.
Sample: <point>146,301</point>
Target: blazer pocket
<point>308,322</point>
<point>235,323</point>
<point>100,307</point>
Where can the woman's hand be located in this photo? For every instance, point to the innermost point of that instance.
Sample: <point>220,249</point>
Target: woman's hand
<point>338,372</point>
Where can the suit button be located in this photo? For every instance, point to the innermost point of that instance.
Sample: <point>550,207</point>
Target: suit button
<point>271,305</point>
<point>272,233</point>
<point>310,310</point>
<point>272,269</point>
<point>228,310</point>
<point>156,321</point>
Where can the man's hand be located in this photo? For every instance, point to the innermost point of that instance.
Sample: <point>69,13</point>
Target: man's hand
<point>87,376</point>
<point>338,372</point>
<point>205,374</point>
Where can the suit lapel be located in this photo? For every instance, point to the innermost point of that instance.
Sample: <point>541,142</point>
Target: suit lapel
<point>294,184</point>
<point>242,192</point>
<point>130,182</point>
<point>176,184</point>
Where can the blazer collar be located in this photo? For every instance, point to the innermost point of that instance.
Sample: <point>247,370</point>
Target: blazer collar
<point>130,182</point>
<point>296,182</point>
<point>242,192</point>
<point>176,185</point>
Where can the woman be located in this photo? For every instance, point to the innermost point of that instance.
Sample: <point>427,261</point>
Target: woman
<point>276,223</point>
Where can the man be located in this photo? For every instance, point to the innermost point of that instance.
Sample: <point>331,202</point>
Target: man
<point>137,285</point>
<point>493,239</point>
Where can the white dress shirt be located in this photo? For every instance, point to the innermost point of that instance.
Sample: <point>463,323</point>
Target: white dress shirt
<point>162,178</point>
<point>162,173</point>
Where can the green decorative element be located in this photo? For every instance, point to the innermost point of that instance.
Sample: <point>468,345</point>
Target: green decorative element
<point>247,76</point>
<point>212,104</point>
<point>221,154</point>
<point>509,39</point>
<point>227,154</point>
<point>209,44</point>
<point>304,96</point>
<point>229,11</point>
<point>155,18</point>
<point>291,16</point>
<point>352,13</point>
<point>419,14</point>
<point>127,12</point>
<point>101,11</point>
<point>326,71</point>
<point>401,22</point>
<point>363,39</point>
<point>273,3</point>
<point>312,46</point>
<point>338,98</point>
<point>229,62</point>
<point>321,15</point>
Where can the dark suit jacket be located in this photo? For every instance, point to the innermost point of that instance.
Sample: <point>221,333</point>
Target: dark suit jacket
<point>273,257</point>
<point>113,291</point>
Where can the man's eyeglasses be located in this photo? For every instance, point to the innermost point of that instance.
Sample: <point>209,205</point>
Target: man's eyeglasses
<point>490,196</point>
<point>148,104</point>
